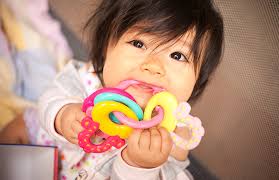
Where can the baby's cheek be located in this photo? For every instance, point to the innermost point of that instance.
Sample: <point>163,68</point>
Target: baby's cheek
<point>182,94</point>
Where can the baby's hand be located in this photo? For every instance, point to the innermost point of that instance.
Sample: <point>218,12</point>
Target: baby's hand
<point>68,122</point>
<point>148,148</point>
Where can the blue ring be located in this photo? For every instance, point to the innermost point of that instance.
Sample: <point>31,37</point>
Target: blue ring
<point>122,99</point>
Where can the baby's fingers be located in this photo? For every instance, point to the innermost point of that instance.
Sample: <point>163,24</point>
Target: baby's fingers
<point>134,139</point>
<point>156,140</point>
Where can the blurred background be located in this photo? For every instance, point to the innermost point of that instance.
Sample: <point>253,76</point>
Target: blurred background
<point>239,108</point>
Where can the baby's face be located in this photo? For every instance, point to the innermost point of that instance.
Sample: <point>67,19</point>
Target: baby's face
<point>135,57</point>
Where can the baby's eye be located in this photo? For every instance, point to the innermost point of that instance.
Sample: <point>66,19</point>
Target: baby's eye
<point>137,43</point>
<point>178,56</point>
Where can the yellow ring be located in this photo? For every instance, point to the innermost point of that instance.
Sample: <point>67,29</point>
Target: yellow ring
<point>169,103</point>
<point>100,114</point>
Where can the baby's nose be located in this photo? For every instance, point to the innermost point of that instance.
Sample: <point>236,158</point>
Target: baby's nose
<point>153,66</point>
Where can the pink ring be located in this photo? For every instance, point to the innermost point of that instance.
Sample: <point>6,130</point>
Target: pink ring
<point>89,101</point>
<point>141,124</point>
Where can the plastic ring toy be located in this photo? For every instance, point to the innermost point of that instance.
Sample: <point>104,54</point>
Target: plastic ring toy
<point>122,99</point>
<point>89,101</point>
<point>100,114</point>
<point>169,103</point>
<point>141,124</point>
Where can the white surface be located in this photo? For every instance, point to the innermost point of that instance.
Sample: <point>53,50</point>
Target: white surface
<point>26,162</point>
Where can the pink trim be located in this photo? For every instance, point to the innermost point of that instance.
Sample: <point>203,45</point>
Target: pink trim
<point>55,173</point>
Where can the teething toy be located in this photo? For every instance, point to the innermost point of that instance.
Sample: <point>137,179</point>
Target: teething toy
<point>112,114</point>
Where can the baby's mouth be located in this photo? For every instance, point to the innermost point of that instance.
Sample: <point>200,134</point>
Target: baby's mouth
<point>145,87</point>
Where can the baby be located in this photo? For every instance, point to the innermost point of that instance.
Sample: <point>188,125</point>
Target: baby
<point>165,44</point>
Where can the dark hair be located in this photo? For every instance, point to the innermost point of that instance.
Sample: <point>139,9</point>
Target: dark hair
<point>169,19</point>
